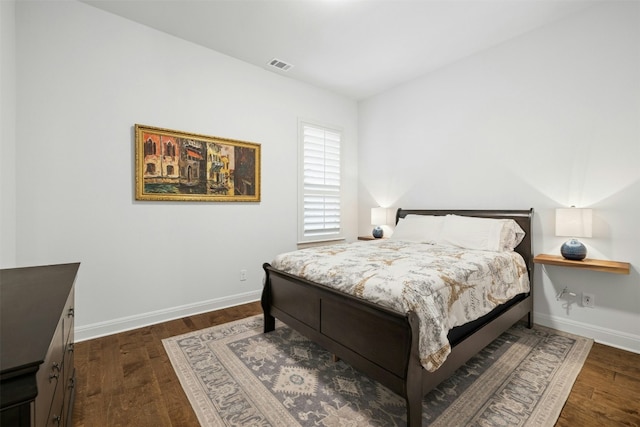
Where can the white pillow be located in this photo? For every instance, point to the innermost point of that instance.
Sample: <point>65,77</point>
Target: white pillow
<point>511,236</point>
<point>486,234</point>
<point>419,228</point>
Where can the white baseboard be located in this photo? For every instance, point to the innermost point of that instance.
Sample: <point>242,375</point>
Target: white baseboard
<point>100,329</point>
<point>600,335</point>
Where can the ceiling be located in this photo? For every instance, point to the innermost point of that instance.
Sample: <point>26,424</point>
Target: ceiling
<point>356,48</point>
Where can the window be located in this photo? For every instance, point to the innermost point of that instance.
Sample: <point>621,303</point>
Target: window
<point>319,181</point>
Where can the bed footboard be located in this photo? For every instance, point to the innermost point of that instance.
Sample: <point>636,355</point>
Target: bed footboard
<point>377,341</point>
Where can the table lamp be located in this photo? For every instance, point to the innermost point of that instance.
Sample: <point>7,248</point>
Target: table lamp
<point>378,218</point>
<point>573,222</point>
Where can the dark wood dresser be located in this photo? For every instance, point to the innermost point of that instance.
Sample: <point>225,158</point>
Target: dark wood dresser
<point>37,376</point>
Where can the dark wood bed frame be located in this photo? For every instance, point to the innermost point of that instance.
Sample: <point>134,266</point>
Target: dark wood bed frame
<point>381,343</point>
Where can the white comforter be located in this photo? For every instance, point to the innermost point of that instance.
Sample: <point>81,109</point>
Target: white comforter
<point>446,286</point>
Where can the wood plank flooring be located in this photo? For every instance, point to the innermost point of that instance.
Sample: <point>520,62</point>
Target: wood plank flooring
<point>127,380</point>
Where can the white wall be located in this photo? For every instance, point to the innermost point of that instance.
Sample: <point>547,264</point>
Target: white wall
<point>546,120</point>
<point>7,134</point>
<point>85,77</point>
<point>549,119</point>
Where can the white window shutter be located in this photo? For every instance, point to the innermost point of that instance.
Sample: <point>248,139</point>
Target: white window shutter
<point>320,183</point>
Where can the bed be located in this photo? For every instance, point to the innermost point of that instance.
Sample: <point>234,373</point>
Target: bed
<point>382,342</point>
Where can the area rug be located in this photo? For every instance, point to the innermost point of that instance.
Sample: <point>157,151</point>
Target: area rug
<point>235,375</point>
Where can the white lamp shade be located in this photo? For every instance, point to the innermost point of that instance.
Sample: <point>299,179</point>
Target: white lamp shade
<point>378,216</point>
<point>574,222</point>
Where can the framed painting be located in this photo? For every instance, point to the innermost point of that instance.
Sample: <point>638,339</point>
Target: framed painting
<point>177,166</point>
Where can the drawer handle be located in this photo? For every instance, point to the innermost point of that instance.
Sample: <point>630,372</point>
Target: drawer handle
<point>53,377</point>
<point>70,348</point>
<point>72,383</point>
<point>56,419</point>
<point>55,366</point>
<point>71,312</point>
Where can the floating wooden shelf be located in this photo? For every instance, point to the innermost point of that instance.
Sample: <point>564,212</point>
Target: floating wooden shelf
<point>587,263</point>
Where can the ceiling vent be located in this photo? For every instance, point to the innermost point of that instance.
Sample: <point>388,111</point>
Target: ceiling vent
<point>280,65</point>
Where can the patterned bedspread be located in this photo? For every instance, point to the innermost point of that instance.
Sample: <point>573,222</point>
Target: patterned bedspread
<point>446,286</point>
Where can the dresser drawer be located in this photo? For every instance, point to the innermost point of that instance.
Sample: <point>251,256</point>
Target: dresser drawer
<point>69,383</point>
<point>48,376</point>
<point>56,415</point>
<point>68,315</point>
<point>69,395</point>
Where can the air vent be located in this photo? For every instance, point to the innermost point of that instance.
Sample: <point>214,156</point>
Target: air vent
<point>280,65</point>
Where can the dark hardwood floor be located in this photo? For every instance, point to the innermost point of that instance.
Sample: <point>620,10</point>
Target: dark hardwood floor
<point>126,379</point>
<point>606,392</point>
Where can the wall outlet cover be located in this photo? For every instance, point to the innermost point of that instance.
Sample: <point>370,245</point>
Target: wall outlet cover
<point>588,300</point>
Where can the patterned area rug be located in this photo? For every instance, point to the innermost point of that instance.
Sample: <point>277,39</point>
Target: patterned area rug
<point>234,375</point>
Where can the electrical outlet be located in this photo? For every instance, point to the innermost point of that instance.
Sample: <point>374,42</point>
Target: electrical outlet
<point>243,275</point>
<point>588,300</point>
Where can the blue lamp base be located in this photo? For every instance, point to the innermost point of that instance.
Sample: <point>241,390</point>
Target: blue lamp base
<point>377,232</point>
<point>574,250</point>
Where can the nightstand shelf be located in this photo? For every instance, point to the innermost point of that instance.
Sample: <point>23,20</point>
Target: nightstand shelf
<point>586,264</point>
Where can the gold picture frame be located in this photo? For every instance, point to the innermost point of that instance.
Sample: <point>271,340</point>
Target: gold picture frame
<point>173,165</point>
